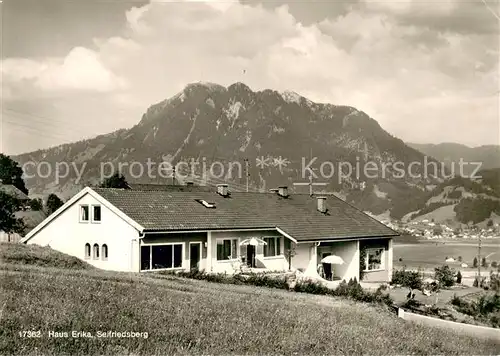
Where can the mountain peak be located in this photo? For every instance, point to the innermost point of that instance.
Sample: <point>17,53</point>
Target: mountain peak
<point>205,85</point>
<point>239,86</point>
<point>291,96</point>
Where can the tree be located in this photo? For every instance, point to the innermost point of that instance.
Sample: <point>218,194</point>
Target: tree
<point>459,277</point>
<point>11,173</point>
<point>476,282</point>
<point>490,223</point>
<point>409,279</point>
<point>8,207</point>
<point>460,259</point>
<point>474,263</point>
<point>494,281</point>
<point>115,181</point>
<point>484,263</point>
<point>36,204</point>
<point>53,203</point>
<point>494,264</point>
<point>445,276</point>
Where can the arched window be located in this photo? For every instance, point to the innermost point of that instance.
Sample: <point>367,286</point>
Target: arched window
<point>96,251</point>
<point>87,251</point>
<point>104,252</point>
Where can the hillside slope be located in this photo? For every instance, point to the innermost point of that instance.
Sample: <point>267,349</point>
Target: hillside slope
<point>194,317</point>
<point>488,155</point>
<point>463,200</point>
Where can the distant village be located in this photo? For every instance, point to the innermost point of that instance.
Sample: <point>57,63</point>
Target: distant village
<point>428,229</point>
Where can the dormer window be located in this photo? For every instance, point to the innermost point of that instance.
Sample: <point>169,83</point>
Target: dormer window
<point>206,204</point>
<point>84,213</point>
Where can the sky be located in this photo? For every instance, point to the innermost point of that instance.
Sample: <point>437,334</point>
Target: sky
<point>427,71</point>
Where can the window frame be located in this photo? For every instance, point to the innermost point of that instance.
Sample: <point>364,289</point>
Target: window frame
<point>151,245</point>
<point>89,255</point>
<point>231,257</point>
<point>80,213</point>
<point>92,213</point>
<point>382,259</point>
<point>104,256</point>
<point>96,256</point>
<point>277,247</point>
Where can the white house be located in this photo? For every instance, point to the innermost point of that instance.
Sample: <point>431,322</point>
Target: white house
<point>167,229</point>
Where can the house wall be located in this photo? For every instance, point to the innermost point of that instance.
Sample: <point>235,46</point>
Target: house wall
<point>13,237</point>
<point>303,254</point>
<point>185,239</point>
<point>348,251</point>
<point>68,235</point>
<point>277,263</point>
<point>384,275</point>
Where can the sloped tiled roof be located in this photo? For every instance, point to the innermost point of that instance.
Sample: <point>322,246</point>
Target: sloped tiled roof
<point>296,215</point>
<point>172,188</point>
<point>13,191</point>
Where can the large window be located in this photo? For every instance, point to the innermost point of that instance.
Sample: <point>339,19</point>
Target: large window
<point>87,251</point>
<point>273,247</point>
<point>84,213</point>
<point>145,257</point>
<point>96,251</point>
<point>374,259</point>
<point>96,213</point>
<point>104,252</point>
<point>161,256</point>
<point>227,249</point>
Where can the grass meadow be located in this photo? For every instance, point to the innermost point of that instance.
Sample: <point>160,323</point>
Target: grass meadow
<point>196,317</point>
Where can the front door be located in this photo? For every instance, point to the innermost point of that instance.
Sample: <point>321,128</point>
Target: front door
<point>194,255</point>
<point>251,256</point>
<point>327,268</point>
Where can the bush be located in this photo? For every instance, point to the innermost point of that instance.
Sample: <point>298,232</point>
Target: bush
<point>412,304</point>
<point>353,290</point>
<point>409,279</point>
<point>488,304</point>
<point>311,287</point>
<point>495,320</point>
<point>494,264</point>
<point>487,308</point>
<point>36,204</point>
<point>265,281</point>
<point>474,263</point>
<point>445,276</point>
<point>475,284</point>
<point>254,279</point>
<point>494,282</point>
<point>459,277</point>
<point>464,306</point>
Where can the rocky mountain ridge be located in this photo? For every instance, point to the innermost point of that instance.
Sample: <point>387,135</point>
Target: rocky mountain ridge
<point>233,134</point>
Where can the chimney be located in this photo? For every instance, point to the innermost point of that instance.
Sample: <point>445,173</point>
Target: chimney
<point>283,191</point>
<point>222,190</point>
<point>321,204</point>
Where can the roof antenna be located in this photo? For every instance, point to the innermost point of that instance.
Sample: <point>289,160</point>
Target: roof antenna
<point>247,173</point>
